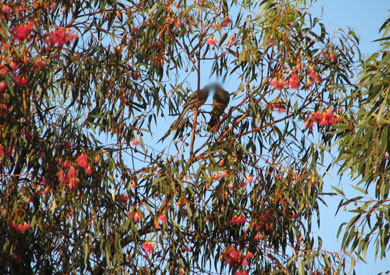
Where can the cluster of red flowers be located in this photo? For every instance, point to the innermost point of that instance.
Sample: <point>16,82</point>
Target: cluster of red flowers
<point>238,220</point>
<point>22,32</point>
<point>20,81</point>
<point>293,81</point>
<point>235,258</point>
<point>82,161</point>
<point>136,216</point>
<point>18,227</point>
<point>70,176</point>
<point>60,37</point>
<point>315,77</point>
<point>278,84</point>
<point>326,118</point>
<point>211,41</point>
<point>147,247</point>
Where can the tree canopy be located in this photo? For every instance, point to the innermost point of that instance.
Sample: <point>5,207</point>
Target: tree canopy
<point>93,182</point>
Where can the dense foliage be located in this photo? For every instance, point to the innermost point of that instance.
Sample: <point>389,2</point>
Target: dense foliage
<point>364,148</point>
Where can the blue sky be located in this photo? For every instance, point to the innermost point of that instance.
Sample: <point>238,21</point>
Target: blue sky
<point>365,18</point>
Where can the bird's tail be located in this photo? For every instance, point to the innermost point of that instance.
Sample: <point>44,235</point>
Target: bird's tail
<point>212,122</point>
<point>177,123</point>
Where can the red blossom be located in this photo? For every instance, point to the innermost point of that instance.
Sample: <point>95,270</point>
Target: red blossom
<point>21,32</point>
<point>136,217</point>
<point>315,77</point>
<point>226,21</point>
<point>3,70</point>
<point>147,247</point>
<point>316,117</point>
<point>6,10</point>
<point>72,172</point>
<point>18,227</point>
<point>328,114</point>
<point>233,257</point>
<point>21,82</point>
<point>238,220</point>
<point>3,86</point>
<point>88,170</point>
<point>211,41</point>
<point>293,82</point>
<point>60,37</point>
<point>242,273</point>
<point>324,118</point>
<point>82,161</point>
<point>249,255</point>
<point>162,219</point>
<point>40,64</point>
<point>13,66</point>
<point>135,142</point>
<point>278,84</point>
<point>249,179</point>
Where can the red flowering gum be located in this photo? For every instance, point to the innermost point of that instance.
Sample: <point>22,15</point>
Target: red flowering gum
<point>249,179</point>
<point>21,32</point>
<point>212,41</point>
<point>315,77</point>
<point>316,117</point>
<point>238,220</point>
<point>18,227</point>
<point>82,161</point>
<point>226,21</point>
<point>293,82</point>
<point>60,37</point>
<point>278,84</point>
<point>162,219</point>
<point>324,118</point>
<point>147,247</point>
<point>233,257</point>
<point>88,170</point>
<point>3,86</point>
<point>328,114</point>
<point>21,82</point>
<point>135,142</point>
<point>40,64</point>
<point>136,217</point>
<point>6,10</point>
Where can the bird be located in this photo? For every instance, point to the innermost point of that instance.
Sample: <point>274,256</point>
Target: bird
<point>194,101</point>
<point>220,102</point>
